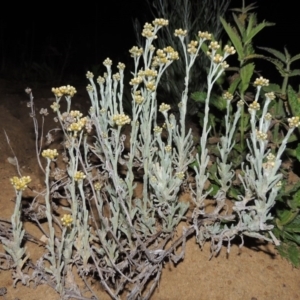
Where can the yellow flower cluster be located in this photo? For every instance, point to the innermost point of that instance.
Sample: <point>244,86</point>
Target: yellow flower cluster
<point>229,50</point>
<point>121,66</point>
<point>75,114</point>
<point>89,75</point>
<point>164,107</point>
<point>270,95</point>
<point>150,86</point>
<point>261,135</point>
<point>97,186</point>
<point>67,220</point>
<point>79,175</point>
<point>180,32</point>
<point>204,35</point>
<point>136,52</point>
<point>268,117</point>
<point>261,81</point>
<point>89,88</point>
<point>180,175</point>
<point>50,154</point>
<point>20,184</point>
<point>100,80</point>
<point>147,73</point>
<point>55,106</point>
<point>164,56</point>
<point>228,96</point>
<point>160,22</point>
<point>137,97</point>
<point>157,129</point>
<point>77,126</point>
<point>136,80</point>
<point>64,90</point>
<point>214,45</point>
<point>121,119</point>
<point>271,157</point>
<point>107,62</point>
<point>148,31</point>
<point>254,106</point>
<point>294,122</point>
<point>168,148</point>
<point>117,77</point>
<point>217,58</point>
<point>192,47</point>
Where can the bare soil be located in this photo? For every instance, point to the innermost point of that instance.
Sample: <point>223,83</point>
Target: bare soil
<point>254,272</point>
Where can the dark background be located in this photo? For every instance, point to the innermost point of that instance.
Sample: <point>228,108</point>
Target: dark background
<point>62,40</point>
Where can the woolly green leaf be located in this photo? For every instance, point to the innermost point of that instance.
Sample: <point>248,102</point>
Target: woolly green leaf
<point>294,58</point>
<point>275,52</point>
<point>235,39</point>
<point>246,73</point>
<point>293,101</point>
<point>256,30</point>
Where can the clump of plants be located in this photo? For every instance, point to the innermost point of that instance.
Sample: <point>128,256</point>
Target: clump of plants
<point>94,219</point>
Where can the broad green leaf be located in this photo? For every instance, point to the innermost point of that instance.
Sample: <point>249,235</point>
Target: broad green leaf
<point>235,39</point>
<point>278,64</point>
<point>256,30</point>
<point>234,84</point>
<point>275,52</point>
<point>251,56</point>
<point>234,193</point>
<point>287,54</point>
<point>272,87</point>
<point>294,226</point>
<point>293,255</point>
<point>218,102</point>
<point>295,72</point>
<point>298,152</point>
<point>285,217</point>
<point>290,251</point>
<point>244,10</point>
<point>293,101</point>
<point>239,24</point>
<point>294,58</point>
<point>246,73</point>
<point>251,23</point>
<point>199,96</point>
<point>214,189</point>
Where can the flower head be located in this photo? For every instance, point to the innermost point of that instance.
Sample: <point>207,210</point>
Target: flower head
<point>121,119</point>
<point>204,35</point>
<point>21,183</point>
<point>180,32</point>
<point>64,90</point>
<point>164,107</point>
<point>79,175</point>
<point>261,81</point>
<point>50,154</point>
<point>294,122</point>
<point>67,220</point>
